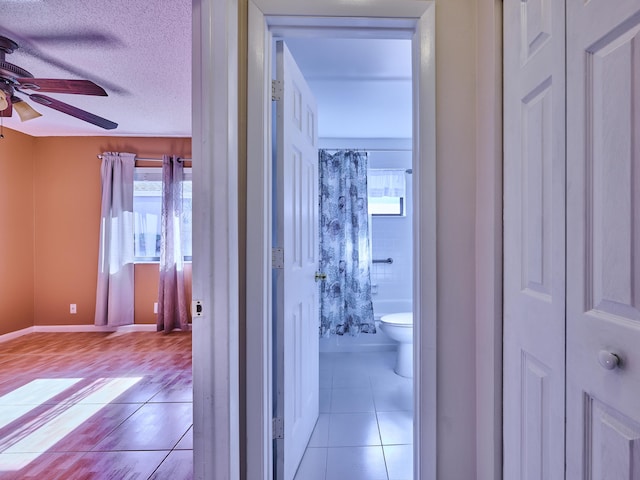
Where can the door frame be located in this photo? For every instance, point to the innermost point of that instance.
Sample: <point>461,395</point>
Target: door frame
<point>469,93</point>
<point>262,28</point>
<point>216,366</point>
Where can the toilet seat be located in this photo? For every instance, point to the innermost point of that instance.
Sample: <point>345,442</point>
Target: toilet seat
<point>402,319</point>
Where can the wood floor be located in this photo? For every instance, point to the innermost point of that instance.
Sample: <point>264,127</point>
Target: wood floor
<point>96,406</point>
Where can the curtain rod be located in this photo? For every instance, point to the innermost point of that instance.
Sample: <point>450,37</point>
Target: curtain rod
<point>365,150</point>
<point>152,159</point>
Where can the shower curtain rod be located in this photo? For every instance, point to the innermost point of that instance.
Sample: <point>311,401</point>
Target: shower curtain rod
<point>152,159</point>
<point>365,150</point>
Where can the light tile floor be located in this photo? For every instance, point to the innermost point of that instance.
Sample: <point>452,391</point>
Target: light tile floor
<point>94,406</point>
<point>365,427</point>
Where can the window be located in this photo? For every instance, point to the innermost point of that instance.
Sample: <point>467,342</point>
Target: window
<point>147,210</point>
<point>386,190</point>
<point>386,206</point>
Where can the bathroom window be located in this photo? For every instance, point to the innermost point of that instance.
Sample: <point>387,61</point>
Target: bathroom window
<point>393,206</point>
<point>147,209</point>
<point>387,191</point>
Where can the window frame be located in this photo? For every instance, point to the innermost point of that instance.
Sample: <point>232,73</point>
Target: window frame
<point>401,206</point>
<point>155,174</point>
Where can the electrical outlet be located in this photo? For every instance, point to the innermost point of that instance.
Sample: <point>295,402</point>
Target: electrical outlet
<point>155,307</point>
<point>72,308</point>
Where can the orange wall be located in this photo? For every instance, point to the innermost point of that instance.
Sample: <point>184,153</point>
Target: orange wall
<point>50,252</point>
<point>16,231</point>
<point>146,276</point>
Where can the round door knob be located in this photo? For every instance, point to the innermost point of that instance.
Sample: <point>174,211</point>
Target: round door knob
<point>608,360</point>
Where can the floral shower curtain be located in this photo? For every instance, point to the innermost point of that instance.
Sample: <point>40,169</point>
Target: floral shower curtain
<point>172,303</point>
<point>345,298</point>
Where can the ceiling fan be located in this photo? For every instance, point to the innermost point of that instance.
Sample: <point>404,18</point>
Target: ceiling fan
<point>16,82</point>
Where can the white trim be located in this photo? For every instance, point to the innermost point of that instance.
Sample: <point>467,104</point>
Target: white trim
<point>216,397</point>
<point>258,276</point>
<point>425,285</point>
<point>17,334</point>
<point>344,27</point>
<point>372,9</point>
<point>94,328</point>
<point>259,355</point>
<point>140,327</point>
<point>459,25</point>
<point>489,242</point>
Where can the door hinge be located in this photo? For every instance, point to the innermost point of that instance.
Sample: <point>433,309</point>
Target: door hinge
<point>278,428</point>
<point>277,258</point>
<point>277,88</point>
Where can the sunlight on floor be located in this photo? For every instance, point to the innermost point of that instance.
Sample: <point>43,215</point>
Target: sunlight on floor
<point>35,437</point>
<point>24,399</point>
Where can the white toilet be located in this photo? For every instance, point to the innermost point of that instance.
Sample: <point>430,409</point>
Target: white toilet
<point>399,326</point>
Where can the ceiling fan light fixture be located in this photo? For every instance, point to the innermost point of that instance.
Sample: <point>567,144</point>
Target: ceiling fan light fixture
<point>17,79</point>
<point>25,111</point>
<point>4,104</point>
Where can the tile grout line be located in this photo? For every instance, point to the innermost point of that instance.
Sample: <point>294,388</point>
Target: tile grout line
<point>52,357</point>
<point>384,456</point>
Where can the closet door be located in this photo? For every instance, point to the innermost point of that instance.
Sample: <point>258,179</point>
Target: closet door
<point>534,239</point>
<point>603,237</point>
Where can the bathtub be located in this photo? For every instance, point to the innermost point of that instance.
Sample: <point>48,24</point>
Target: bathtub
<point>367,342</point>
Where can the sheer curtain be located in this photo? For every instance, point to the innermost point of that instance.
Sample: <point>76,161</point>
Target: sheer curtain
<point>172,304</point>
<point>115,290</point>
<point>387,183</point>
<point>345,297</point>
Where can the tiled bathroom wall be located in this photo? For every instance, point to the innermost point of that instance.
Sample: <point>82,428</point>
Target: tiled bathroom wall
<point>391,237</point>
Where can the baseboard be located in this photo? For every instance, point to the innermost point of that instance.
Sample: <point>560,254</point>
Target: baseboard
<point>136,327</point>
<point>141,327</point>
<point>94,328</point>
<point>11,335</point>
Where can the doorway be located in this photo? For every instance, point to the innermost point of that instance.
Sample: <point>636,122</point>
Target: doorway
<point>262,29</point>
<point>468,339</point>
<point>363,91</point>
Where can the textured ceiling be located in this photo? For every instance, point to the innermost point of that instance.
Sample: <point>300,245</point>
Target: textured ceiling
<point>138,51</point>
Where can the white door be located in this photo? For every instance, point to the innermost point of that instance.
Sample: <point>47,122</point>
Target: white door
<point>603,239</point>
<point>297,340</point>
<point>534,240</point>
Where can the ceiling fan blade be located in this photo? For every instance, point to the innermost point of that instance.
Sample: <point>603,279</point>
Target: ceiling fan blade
<point>54,85</point>
<point>29,48</point>
<point>25,111</point>
<point>75,38</point>
<point>73,111</point>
